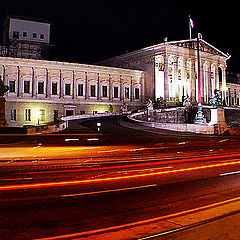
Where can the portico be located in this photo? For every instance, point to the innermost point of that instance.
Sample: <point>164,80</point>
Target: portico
<point>172,69</point>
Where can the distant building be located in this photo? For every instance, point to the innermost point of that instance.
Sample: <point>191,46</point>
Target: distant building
<point>25,38</point>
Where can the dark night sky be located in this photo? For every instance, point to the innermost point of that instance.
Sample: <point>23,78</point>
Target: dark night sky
<point>86,31</point>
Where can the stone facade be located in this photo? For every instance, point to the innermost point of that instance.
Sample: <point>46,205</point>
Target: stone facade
<point>41,91</point>
<point>172,69</point>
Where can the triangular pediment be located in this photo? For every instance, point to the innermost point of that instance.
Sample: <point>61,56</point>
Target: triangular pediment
<point>203,46</point>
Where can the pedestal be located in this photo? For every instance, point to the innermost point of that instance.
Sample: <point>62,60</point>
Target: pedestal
<point>3,121</point>
<point>218,120</point>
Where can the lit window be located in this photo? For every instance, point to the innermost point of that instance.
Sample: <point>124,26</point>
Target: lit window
<point>54,88</point>
<point>26,88</point>
<point>28,115</point>
<point>13,115</point>
<point>115,92</point>
<point>67,88</point>
<point>104,91</point>
<point>80,89</point>
<point>12,86</point>
<point>40,87</point>
<point>42,114</point>
<point>93,91</point>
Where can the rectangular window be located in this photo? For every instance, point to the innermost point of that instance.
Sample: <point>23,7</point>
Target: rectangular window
<point>26,88</point>
<point>28,115</point>
<point>104,91</point>
<point>15,34</point>
<point>41,36</point>
<point>55,114</point>
<point>34,35</point>
<point>24,34</point>
<point>80,89</point>
<point>115,92</point>
<point>54,88</point>
<point>82,112</point>
<point>93,91</point>
<point>40,87</point>
<point>127,92</point>
<point>137,93</point>
<point>42,114</point>
<point>12,86</point>
<point>67,88</point>
<point>13,115</point>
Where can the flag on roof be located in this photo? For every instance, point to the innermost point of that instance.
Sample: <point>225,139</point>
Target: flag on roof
<point>191,22</point>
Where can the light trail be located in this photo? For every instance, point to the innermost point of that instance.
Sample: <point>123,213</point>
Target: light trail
<point>229,173</point>
<point>88,181</point>
<point>109,191</point>
<point>135,224</point>
<point>138,164</point>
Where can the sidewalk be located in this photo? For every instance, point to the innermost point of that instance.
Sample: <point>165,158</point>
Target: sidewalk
<point>213,222</point>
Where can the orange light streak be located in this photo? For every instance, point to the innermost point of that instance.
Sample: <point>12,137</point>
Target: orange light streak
<point>138,164</point>
<point>77,182</point>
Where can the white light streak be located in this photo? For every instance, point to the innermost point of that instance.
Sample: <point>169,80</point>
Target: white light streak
<point>71,139</point>
<point>229,173</point>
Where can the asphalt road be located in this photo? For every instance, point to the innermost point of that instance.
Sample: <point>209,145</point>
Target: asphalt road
<point>84,179</point>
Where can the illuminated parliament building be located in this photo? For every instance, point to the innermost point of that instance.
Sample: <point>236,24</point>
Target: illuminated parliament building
<point>41,91</point>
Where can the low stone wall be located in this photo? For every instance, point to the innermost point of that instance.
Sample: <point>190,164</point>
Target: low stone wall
<point>96,115</point>
<point>179,127</point>
<point>56,127</point>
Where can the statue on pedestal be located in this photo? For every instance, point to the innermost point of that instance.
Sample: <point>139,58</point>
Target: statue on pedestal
<point>3,90</point>
<point>124,108</point>
<point>217,99</point>
<point>149,110</point>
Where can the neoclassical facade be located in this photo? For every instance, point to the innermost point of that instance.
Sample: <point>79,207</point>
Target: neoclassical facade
<point>172,69</point>
<point>41,91</point>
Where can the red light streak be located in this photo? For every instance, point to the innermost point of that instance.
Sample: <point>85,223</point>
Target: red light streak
<point>77,182</point>
<point>138,164</point>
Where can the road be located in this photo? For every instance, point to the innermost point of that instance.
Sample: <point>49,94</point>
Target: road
<point>88,178</point>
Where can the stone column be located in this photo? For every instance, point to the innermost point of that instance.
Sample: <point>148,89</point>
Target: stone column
<point>166,81</point>
<point>121,89</point>
<point>19,83</point>
<point>110,88</point>
<point>86,86</point>
<point>48,84</point>
<point>61,84</point>
<point>33,83</point>
<point>98,87</point>
<point>73,85</point>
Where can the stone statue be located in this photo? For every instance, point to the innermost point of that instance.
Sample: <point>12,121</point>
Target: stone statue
<point>217,99</point>
<point>186,102</point>
<point>124,108</point>
<point>150,104</point>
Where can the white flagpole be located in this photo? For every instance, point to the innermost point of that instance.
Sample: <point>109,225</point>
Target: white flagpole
<point>190,28</point>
